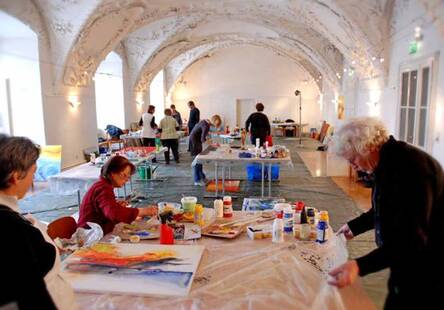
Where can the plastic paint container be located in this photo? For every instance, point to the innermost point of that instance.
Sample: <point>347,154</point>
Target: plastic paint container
<point>305,232</point>
<point>321,232</point>
<point>228,206</point>
<point>288,219</point>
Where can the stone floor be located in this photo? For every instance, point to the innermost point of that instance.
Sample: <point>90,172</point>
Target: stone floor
<point>296,183</point>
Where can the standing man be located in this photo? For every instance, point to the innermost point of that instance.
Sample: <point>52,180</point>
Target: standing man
<point>194,116</point>
<point>258,125</point>
<point>193,119</point>
<point>176,115</point>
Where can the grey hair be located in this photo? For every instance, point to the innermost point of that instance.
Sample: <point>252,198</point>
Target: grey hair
<point>360,135</point>
<point>17,154</point>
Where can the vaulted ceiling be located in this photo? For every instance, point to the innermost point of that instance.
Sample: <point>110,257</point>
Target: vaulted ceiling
<point>322,36</point>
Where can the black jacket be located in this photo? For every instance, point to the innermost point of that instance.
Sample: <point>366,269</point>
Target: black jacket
<point>25,259</point>
<point>193,119</point>
<point>260,126</point>
<point>407,214</point>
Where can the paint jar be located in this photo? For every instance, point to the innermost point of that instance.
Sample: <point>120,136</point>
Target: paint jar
<point>198,215</point>
<point>228,206</point>
<point>305,232</point>
<point>188,204</point>
<point>219,208</point>
<point>297,231</point>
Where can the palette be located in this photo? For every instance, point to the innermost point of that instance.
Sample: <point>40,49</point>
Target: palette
<point>227,232</point>
<point>230,228</point>
<point>146,230</point>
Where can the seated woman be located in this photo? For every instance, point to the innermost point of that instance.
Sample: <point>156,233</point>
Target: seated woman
<point>29,262</point>
<point>100,205</point>
<point>198,136</point>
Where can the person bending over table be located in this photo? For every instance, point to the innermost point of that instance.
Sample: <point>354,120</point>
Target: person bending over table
<point>197,137</point>
<point>258,125</point>
<point>30,262</point>
<point>100,205</point>
<point>407,214</point>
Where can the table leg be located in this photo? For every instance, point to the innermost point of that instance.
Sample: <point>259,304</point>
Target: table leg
<point>223,180</point>
<point>269,180</point>
<point>262,179</point>
<point>229,171</point>
<point>216,179</point>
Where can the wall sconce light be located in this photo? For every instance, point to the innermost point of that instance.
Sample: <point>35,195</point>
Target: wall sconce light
<point>73,101</point>
<point>418,34</point>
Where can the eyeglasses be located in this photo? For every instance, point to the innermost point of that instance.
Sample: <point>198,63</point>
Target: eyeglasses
<point>124,175</point>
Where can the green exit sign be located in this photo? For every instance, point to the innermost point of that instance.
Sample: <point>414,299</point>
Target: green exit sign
<point>413,47</point>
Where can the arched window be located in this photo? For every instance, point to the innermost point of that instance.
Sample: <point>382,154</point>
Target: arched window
<point>109,92</point>
<point>157,95</point>
<point>21,111</point>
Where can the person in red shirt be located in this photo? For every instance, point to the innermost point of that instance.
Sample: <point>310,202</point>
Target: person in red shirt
<point>100,205</point>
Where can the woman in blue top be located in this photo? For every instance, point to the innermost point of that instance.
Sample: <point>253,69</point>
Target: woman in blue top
<point>198,136</point>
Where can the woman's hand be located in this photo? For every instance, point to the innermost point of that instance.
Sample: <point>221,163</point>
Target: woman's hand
<point>348,234</point>
<point>345,274</point>
<point>148,211</point>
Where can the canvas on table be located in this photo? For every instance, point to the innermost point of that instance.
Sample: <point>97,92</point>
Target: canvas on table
<point>135,269</point>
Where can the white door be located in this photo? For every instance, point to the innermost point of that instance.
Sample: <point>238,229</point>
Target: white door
<point>244,107</point>
<point>415,104</point>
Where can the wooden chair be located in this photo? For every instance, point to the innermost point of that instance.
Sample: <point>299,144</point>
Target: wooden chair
<point>63,227</point>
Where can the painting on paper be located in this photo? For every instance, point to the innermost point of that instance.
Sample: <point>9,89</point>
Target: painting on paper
<point>135,269</point>
<point>253,204</point>
<point>49,162</point>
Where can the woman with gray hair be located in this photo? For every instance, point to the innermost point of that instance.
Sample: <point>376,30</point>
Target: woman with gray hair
<point>407,214</point>
<point>30,264</point>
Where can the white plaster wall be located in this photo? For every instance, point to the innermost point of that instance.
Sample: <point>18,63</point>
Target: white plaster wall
<point>19,64</point>
<point>433,42</point>
<point>247,72</point>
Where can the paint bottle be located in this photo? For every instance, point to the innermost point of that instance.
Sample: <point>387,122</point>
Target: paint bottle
<point>243,137</point>
<point>92,158</point>
<point>321,232</point>
<point>228,206</point>
<point>288,219</point>
<point>258,143</point>
<point>310,215</point>
<point>166,232</point>
<point>303,213</point>
<point>219,208</point>
<point>278,225</point>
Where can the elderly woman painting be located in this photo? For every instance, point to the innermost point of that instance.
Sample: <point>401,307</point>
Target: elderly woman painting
<point>30,263</point>
<point>100,205</point>
<point>407,214</point>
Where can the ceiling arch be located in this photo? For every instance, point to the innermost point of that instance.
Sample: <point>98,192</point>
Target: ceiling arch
<point>28,13</point>
<point>325,20</point>
<point>181,63</point>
